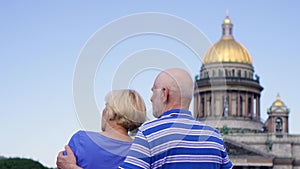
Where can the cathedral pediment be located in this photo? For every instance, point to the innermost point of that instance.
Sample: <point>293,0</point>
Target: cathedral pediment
<point>243,155</point>
<point>240,149</point>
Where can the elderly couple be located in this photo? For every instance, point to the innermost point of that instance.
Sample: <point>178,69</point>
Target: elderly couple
<point>173,140</point>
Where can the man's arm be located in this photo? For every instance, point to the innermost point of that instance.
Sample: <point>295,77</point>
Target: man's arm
<point>67,161</point>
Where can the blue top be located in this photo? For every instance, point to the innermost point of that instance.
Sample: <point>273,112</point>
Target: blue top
<point>96,151</point>
<point>176,140</point>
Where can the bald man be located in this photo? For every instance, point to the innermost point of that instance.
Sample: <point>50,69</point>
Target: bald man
<point>172,89</point>
<point>174,140</point>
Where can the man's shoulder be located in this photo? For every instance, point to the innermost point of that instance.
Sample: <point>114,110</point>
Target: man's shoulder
<point>169,122</point>
<point>155,125</point>
<point>150,124</point>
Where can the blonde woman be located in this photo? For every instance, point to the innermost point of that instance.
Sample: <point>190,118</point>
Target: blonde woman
<point>124,111</point>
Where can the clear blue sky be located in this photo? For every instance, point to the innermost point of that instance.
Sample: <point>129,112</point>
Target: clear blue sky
<point>41,41</point>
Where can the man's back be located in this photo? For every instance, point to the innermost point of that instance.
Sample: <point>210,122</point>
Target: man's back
<point>177,140</point>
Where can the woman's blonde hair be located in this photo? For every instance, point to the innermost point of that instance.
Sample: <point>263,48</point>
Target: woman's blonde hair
<point>126,107</point>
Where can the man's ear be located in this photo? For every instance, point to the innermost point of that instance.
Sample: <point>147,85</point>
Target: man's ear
<point>165,94</point>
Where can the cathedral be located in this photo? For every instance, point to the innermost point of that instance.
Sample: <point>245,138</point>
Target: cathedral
<point>227,96</point>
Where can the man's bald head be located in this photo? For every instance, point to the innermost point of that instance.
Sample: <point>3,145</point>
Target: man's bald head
<point>180,87</point>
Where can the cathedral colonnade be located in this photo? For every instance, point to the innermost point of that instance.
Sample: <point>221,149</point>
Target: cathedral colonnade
<point>227,104</point>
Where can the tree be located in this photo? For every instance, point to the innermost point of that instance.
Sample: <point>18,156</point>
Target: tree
<point>20,163</point>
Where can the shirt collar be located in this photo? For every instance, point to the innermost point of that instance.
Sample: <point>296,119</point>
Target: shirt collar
<point>177,112</point>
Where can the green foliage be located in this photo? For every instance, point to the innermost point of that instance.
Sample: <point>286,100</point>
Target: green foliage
<point>225,130</point>
<point>20,163</point>
<point>270,144</point>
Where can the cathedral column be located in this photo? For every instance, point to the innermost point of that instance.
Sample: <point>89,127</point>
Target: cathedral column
<point>199,107</point>
<point>196,106</point>
<point>246,106</point>
<point>208,104</point>
<point>229,104</point>
<point>252,104</point>
<point>212,103</point>
<point>205,102</point>
<point>287,125</point>
<point>239,104</point>
<point>258,107</point>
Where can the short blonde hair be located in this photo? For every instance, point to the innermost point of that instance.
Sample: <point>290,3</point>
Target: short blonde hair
<point>126,107</point>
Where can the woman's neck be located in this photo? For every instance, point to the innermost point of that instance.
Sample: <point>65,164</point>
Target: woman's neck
<point>117,132</point>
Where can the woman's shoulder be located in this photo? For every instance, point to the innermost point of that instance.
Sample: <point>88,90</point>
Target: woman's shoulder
<point>86,137</point>
<point>83,136</point>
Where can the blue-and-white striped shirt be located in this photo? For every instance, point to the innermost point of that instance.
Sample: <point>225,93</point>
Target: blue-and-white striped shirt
<point>177,140</point>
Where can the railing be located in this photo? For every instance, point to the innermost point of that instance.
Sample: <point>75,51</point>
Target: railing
<point>227,79</point>
<point>219,81</point>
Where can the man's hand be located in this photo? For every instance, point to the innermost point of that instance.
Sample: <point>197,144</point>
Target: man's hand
<point>67,161</point>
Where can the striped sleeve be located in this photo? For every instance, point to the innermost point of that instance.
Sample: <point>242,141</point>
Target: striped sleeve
<point>139,154</point>
<point>226,163</point>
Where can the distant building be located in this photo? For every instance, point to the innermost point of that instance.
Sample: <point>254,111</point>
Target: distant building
<point>227,97</point>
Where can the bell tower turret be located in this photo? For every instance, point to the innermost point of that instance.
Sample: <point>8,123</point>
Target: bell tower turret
<point>278,117</point>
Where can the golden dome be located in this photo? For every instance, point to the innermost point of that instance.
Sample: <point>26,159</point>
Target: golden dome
<point>227,20</point>
<point>227,49</point>
<point>278,102</point>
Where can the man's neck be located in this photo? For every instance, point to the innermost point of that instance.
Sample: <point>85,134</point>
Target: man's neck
<point>174,106</point>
